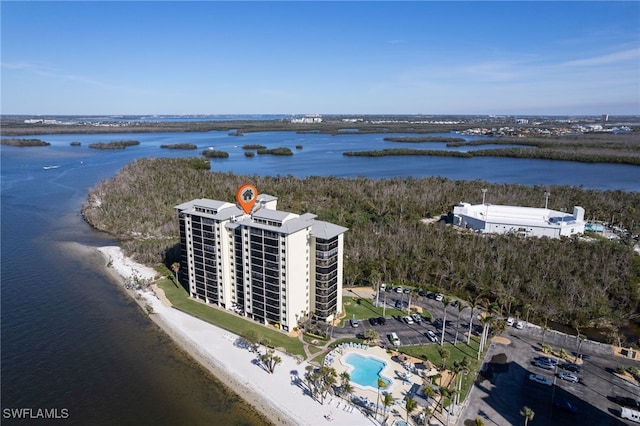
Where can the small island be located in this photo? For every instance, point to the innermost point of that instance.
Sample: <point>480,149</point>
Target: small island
<point>75,144</point>
<point>253,146</point>
<point>212,153</point>
<point>113,145</point>
<point>422,139</point>
<point>23,142</point>
<point>179,146</point>
<point>276,151</point>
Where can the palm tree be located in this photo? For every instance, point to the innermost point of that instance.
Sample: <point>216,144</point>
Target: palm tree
<point>460,369</point>
<point>445,302</point>
<point>428,412</point>
<point>175,267</point>
<point>527,413</point>
<point>345,382</point>
<point>381,385</point>
<point>410,405</point>
<point>449,394</point>
<point>478,422</point>
<point>486,321</point>
<point>270,360</point>
<point>387,401</point>
<point>444,354</point>
<point>461,307</point>
<point>474,302</point>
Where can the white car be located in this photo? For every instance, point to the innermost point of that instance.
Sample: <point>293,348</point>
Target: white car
<point>540,379</point>
<point>439,297</point>
<point>432,336</point>
<point>510,321</point>
<point>417,318</point>
<point>519,325</point>
<point>408,319</point>
<point>399,290</point>
<point>570,377</point>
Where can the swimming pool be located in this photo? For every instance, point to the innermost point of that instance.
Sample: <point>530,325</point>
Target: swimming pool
<point>366,370</point>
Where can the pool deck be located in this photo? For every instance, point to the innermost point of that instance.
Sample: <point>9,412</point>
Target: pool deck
<point>401,374</point>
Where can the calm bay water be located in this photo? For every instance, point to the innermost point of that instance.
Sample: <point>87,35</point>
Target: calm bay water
<point>71,339</point>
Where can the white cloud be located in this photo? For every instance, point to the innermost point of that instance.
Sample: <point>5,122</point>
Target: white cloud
<point>611,58</point>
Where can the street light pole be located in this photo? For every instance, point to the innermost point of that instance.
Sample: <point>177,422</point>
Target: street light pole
<point>484,192</point>
<point>546,199</point>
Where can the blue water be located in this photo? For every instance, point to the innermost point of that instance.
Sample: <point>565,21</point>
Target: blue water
<point>366,370</point>
<point>321,155</point>
<point>70,339</point>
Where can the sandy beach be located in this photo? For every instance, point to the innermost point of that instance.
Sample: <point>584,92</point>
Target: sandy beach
<point>280,396</point>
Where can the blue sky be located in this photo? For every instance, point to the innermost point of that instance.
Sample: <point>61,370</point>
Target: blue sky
<point>562,58</point>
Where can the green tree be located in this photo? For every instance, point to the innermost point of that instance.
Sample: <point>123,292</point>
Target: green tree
<point>527,413</point>
<point>410,405</point>
<point>175,267</point>
<point>445,302</point>
<point>381,385</point>
<point>461,307</point>
<point>270,360</point>
<point>444,355</point>
<point>387,401</point>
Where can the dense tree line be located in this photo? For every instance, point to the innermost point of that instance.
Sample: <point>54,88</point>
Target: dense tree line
<point>623,148</point>
<point>424,139</point>
<point>572,281</point>
<point>114,144</point>
<point>179,146</point>
<point>23,142</point>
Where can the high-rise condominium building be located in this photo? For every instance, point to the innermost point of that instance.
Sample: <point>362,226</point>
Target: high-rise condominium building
<point>272,266</point>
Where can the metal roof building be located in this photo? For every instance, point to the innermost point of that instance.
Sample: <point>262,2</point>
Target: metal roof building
<point>525,221</point>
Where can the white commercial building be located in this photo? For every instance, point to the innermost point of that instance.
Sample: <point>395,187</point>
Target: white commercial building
<point>525,221</point>
<point>272,266</point>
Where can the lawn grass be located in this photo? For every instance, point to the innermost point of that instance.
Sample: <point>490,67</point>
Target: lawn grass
<point>457,353</point>
<point>363,309</point>
<point>179,298</point>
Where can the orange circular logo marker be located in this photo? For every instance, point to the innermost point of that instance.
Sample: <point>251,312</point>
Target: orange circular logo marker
<point>246,196</point>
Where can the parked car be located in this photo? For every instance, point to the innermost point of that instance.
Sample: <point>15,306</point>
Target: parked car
<point>439,297</point>
<point>569,366</point>
<point>545,365</point>
<point>383,286</point>
<point>432,336</point>
<point>408,319</point>
<point>354,322</point>
<point>417,318</point>
<point>455,303</point>
<point>565,405</point>
<point>400,304</point>
<point>548,360</point>
<point>626,401</point>
<point>540,379</point>
<point>382,320</point>
<point>519,325</point>
<point>422,293</point>
<point>373,321</point>
<point>399,290</point>
<point>407,290</point>
<point>510,321</point>
<point>569,377</point>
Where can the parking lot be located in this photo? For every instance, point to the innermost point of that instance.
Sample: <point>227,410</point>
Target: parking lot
<point>411,334</point>
<point>505,387</point>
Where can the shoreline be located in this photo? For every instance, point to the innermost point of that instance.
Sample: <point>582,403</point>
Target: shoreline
<point>280,397</point>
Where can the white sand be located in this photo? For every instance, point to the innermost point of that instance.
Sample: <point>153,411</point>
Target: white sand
<point>276,395</point>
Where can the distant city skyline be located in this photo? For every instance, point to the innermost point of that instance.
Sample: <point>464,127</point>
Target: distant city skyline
<point>431,58</point>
